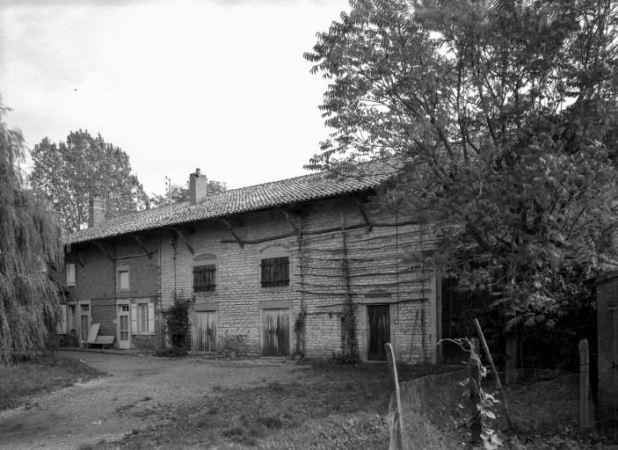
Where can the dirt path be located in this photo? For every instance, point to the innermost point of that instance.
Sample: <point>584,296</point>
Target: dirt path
<point>90,412</point>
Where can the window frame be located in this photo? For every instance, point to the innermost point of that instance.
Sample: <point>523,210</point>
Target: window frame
<point>119,271</point>
<point>272,273</point>
<point>71,275</point>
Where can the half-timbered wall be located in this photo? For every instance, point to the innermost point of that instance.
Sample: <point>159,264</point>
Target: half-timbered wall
<point>338,257</point>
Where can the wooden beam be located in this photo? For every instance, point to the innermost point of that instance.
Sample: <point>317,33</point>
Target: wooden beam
<point>186,228</point>
<point>361,208</point>
<point>104,250</point>
<point>80,259</point>
<point>184,239</point>
<point>289,216</point>
<point>142,246</point>
<point>227,223</point>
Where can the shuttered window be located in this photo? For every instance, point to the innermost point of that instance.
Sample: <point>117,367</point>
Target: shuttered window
<point>276,272</point>
<point>142,318</point>
<point>204,278</point>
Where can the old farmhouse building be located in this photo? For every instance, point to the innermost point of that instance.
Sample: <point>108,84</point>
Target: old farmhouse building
<point>298,266</point>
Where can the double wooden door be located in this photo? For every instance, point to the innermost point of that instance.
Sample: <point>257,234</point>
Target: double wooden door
<point>276,332</point>
<point>205,339</point>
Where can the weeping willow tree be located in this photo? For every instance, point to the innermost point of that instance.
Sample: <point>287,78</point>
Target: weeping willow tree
<point>30,239</point>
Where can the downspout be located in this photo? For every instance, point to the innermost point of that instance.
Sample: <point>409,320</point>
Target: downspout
<point>302,313</point>
<point>174,258</point>
<point>162,327</point>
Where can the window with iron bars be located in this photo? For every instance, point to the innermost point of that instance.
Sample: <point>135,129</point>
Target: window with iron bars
<point>204,278</point>
<point>276,272</point>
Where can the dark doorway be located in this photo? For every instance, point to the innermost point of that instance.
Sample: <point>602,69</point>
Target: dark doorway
<point>276,332</point>
<point>453,305</point>
<point>379,331</point>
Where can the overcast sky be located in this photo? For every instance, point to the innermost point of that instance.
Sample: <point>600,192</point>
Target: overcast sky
<point>177,84</point>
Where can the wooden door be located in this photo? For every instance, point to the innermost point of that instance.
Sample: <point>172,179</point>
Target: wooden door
<point>124,326</point>
<point>276,324</point>
<point>205,339</point>
<point>379,331</point>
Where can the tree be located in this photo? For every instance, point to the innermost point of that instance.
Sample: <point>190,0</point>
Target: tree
<point>69,174</point>
<point>500,120</point>
<point>176,193</point>
<point>30,239</point>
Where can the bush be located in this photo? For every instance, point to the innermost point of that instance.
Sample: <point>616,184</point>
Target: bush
<point>177,322</point>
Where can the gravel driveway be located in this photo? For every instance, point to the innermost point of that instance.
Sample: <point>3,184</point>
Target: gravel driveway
<point>89,412</point>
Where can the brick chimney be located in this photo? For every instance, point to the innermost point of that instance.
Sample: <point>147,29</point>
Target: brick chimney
<point>96,211</point>
<point>198,187</point>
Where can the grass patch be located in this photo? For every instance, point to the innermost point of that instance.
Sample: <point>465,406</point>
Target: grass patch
<point>48,373</point>
<point>329,407</point>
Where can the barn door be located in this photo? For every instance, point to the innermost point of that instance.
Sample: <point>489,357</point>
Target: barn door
<point>276,324</point>
<point>379,331</point>
<point>205,331</point>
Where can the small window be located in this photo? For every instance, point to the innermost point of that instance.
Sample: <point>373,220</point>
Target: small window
<point>70,274</point>
<point>276,272</point>
<point>142,318</point>
<point>123,279</point>
<point>204,278</point>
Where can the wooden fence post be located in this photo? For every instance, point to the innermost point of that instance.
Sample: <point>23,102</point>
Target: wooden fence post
<point>399,419</point>
<point>505,406</point>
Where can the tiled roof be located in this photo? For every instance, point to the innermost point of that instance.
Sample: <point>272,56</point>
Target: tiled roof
<point>252,198</point>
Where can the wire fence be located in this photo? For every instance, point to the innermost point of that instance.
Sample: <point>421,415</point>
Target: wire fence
<point>435,408</point>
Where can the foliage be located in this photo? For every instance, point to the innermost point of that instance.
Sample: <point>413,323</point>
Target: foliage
<point>500,120</point>
<point>177,321</point>
<point>555,346</point>
<point>344,358</point>
<point>176,193</point>
<point>30,240</point>
<point>69,173</point>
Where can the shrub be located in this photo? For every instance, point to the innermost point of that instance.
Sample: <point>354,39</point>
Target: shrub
<point>177,322</point>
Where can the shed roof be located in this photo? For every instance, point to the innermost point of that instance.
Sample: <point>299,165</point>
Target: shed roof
<point>252,198</point>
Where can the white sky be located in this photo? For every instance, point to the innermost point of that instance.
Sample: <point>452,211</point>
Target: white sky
<point>177,84</point>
